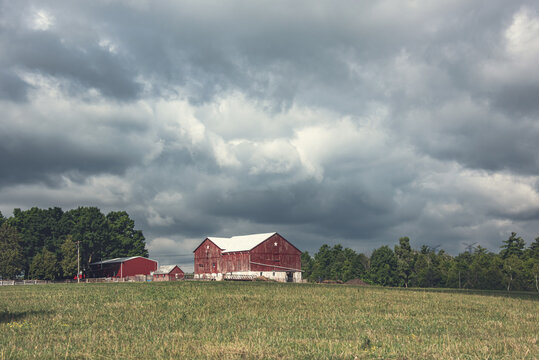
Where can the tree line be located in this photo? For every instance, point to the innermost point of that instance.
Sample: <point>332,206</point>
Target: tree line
<point>514,267</point>
<point>42,243</point>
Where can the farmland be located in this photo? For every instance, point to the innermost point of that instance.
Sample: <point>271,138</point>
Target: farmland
<point>263,320</point>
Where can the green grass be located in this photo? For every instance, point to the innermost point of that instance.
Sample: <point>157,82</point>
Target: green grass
<point>188,320</point>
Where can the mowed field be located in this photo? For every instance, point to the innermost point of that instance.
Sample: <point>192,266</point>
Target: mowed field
<point>222,320</point>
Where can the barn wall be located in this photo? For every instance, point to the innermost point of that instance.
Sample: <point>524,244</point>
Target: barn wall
<point>177,271</point>
<point>280,276</point>
<point>105,270</point>
<point>137,266</point>
<point>275,251</point>
<point>234,262</point>
<point>277,255</point>
<point>175,274</point>
<point>207,258</point>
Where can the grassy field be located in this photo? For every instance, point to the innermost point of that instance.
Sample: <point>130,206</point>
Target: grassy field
<point>188,320</point>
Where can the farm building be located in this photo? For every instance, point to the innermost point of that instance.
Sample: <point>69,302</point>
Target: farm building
<point>123,267</point>
<point>241,257</point>
<point>168,273</point>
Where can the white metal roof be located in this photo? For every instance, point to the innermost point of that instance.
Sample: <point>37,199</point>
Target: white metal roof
<point>116,260</point>
<point>165,269</point>
<point>240,243</point>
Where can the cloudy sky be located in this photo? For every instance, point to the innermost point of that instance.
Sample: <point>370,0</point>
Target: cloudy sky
<point>349,122</point>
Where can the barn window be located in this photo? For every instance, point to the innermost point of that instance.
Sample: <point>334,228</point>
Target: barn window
<point>213,264</point>
<point>200,265</point>
<point>274,273</point>
<point>261,273</point>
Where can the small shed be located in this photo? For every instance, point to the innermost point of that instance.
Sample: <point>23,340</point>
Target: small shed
<point>123,267</point>
<point>168,273</point>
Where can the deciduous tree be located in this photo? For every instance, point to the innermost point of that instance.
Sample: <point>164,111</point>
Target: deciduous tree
<point>322,264</point>
<point>512,269</point>
<point>306,265</point>
<point>124,240</point>
<point>405,259</point>
<point>383,269</point>
<point>89,226</point>
<point>11,256</point>
<point>69,257</point>
<point>45,266</point>
<point>39,228</point>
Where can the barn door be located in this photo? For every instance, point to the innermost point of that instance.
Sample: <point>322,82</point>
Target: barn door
<point>289,276</point>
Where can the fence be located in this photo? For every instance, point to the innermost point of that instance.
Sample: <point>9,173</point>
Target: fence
<point>136,278</point>
<point>24,282</point>
<point>237,277</point>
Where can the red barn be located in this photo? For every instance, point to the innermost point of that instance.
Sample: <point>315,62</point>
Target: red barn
<point>122,267</point>
<point>168,273</point>
<point>269,255</point>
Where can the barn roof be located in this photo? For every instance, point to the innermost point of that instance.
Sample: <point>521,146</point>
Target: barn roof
<point>117,260</point>
<point>165,269</point>
<point>240,243</point>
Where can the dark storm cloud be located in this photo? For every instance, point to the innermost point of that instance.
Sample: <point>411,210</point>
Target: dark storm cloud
<point>31,159</point>
<point>354,122</point>
<point>12,87</point>
<point>478,138</point>
<point>82,66</point>
<point>518,100</point>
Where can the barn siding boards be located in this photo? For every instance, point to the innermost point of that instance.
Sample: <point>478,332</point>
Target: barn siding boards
<point>269,255</point>
<point>168,273</point>
<point>207,256</point>
<point>277,254</point>
<point>123,267</point>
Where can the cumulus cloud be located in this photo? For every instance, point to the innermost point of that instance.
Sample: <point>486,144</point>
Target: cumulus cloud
<point>353,122</point>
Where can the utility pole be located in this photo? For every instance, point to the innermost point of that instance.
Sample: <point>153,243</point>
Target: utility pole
<point>78,261</point>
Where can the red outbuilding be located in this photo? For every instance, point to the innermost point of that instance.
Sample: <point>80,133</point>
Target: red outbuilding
<point>242,257</point>
<point>123,267</point>
<point>168,273</point>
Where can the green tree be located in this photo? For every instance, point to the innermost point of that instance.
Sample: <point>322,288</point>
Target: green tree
<point>383,269</point>
<point>533,250</point>
<point>427,268</point>
<point>512,246</point>
<point>306,265</point>
<point>336,262</point>
<point>485,270</point>
<point>38,228</point>
<point>11,256</point>
<point>89,226</point>
<point>44,266</point>
<point>531,274</point>
<point>322,264</point>
<point>2,219</point>
<point>353,267</point>
<point>405,260</point>
<point>124,240</point>
<point>513,270</point>
<point>365,263</point>
<point>445,262</point>
<point>100,236</point>
<point>532,265</point>
<point>69,257</point>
